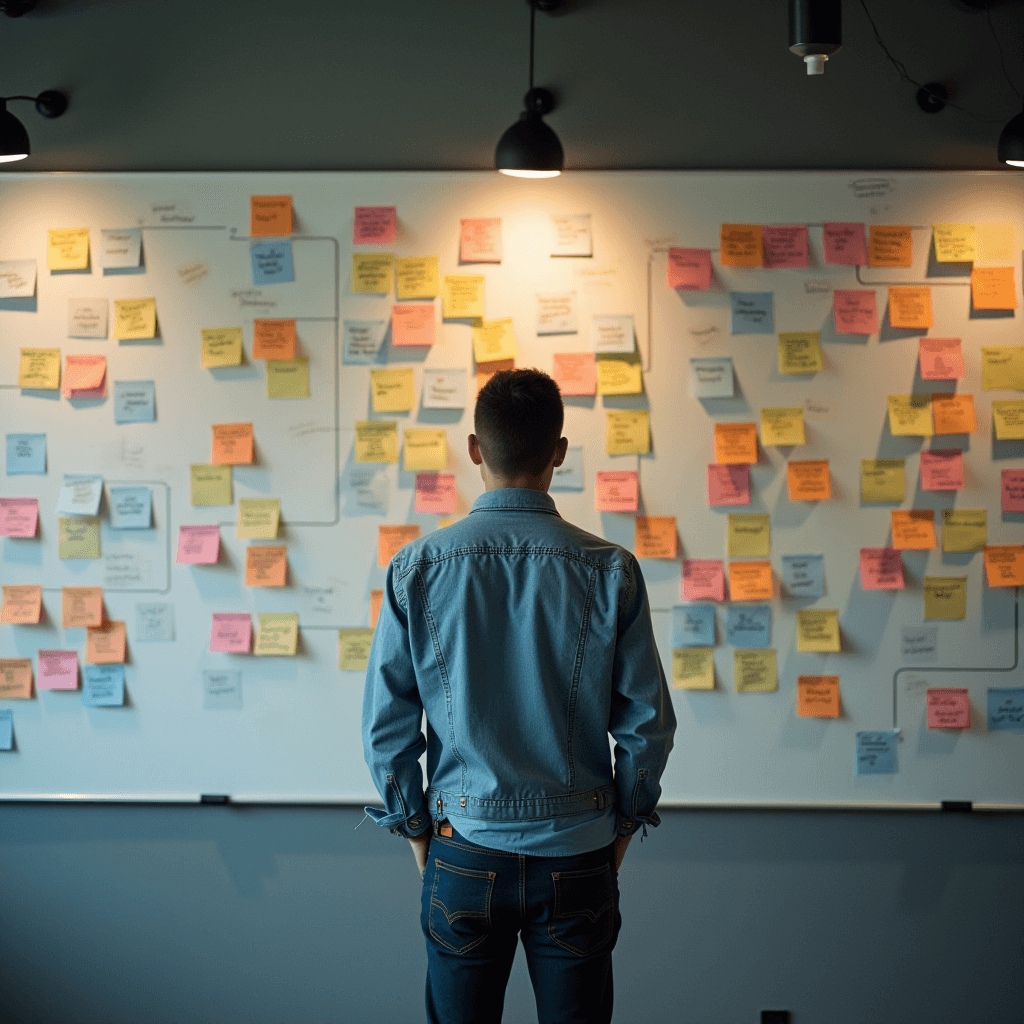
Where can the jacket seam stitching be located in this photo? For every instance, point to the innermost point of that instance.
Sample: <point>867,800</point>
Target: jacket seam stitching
<point>491,550</point>
<point>581,646</point>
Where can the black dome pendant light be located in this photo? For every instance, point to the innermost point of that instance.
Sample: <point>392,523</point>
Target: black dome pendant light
<point>14,143</point>
<point>530,149</point>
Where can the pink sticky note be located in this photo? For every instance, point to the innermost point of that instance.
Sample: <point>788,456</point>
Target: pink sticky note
<point>58,670</point>
<point>231,632</point>
<point>618,492</point>
<point>85,377</point>
<point>374,225</point>
<point>412,324</point>
<point>881,569</point>
<point>855,310</point>
<point>198,545</point>
<point>845,245</point>
<point>941,359</point>
<point>1013,490</point>
<point>949,707</point>
<point>785,247</point>
<point>942,469</point>
<point>435,493</point>
<point>480,240</point>
<point>689,269</point>
<point>703,579</point>
<point>728,485</point>
<point>18,517</point>
<point>575,373</point>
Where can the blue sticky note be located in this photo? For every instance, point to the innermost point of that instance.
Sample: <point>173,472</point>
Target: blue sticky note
<point>102,686</point>
<point>712,377</point>
<point>80,495</point>
<point>1006,709</point>
<point>6,729</point>
<point>26,453</point>
<point>130,508</point>
<point>693,625</point>
<point>272,262</point>
<point>749,625</point>
<point>134,401</point>
<point>752,313</point>
<point>361,341</point>
<point>569,475</point>
<point>803,575</point>
<point>876,753</point>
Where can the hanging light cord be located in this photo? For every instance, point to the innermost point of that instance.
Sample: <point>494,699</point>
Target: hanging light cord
<point>533,15</point>
<point>1002,59</point>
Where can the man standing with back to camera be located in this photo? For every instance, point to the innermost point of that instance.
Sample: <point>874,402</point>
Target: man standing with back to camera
<point>527,642</point>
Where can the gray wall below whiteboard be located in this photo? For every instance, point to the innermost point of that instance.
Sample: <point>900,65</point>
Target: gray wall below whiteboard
<point>161,915</point>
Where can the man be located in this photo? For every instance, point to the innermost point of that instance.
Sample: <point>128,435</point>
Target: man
<point>526,641</point>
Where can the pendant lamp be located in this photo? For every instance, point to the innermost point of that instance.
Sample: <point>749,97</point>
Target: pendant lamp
<point>14,144</point>
<point>1011,142</point>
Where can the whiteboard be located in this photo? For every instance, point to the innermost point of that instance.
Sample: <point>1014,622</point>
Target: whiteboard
<point>296,736</point>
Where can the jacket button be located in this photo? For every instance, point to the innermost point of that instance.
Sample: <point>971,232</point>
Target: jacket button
<point>462,802</point>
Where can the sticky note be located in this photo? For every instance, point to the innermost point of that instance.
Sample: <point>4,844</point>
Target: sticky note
<point>689,269</point>
<point>1008,419</point>
<point>800,352</point>
<point>910,307</point>
<point>374,225</point>
<point>735,443</point>
<point>783,426</point>
<point>266,565</point>
<point>78,537</point>
<point>750,581</point>
<point>1004,565</point>
<point>81,606</point>
<point>995,242</point>
<point>655,537</point>
<point>278,634</point>
<point>613,333</point>
<point>120,247</point>
<point>102,686</point>
<point>134,319</point>
<point>571,235</point>
<point>575,373</point>
<point>17,279</point>
<point>954,243</point>
<point>693,669</point>
<point>617,492</point>
<point>480,240</point>
<point>15,681</point>
<point>949,707</point>
<point>198,545</point>
<point>26,454</point>
<point>211,485</point>
<point>412,325</point>
<point>964,529</point>
<point>881,569</point>
<point>372,273</point>
<point>231,632</point>
<point>556,313</point>
<point>494,340</point>
<point>130,508</point>
<point>749,625</point>
<point>134,401</point>
<point>258,518</point>
<point>270,216</point>
<point>462,296</point>
<point>222,689</point>
<point>803,575</point>
<point>22,604</point>
<point>1005,706</point>
<point>1012,490</point>
<point>741,245</point>
<point>809,480</point>
<point>754,671</point>
<point>376,600</point>
<point>889,245</point>
<point>232,444</point>
<point>913,529</point>
<point>817,696</point>
<point>712,377</point>
<point>941,359</point>
<point>39,368</point>
<point>569,475</point>
<point>693,625</point>
<point>391,540</point>
<point>18,517</point>
<point>361,341</point>
<point>354,649</point>
<point>882,480</point>
<point>752,313</point>
<point>748,535</point>
<point>703,579</point>
<point>67,249</point>
<point>445,389</point>
<point>392,390</point>
<point>105,644</point>
<point>222,346</point>
<point>84,376</point>
<point>919,644</point>
<point>993,288</point>
<point>844,244</point>
<point>58,670</point>
<point>87,318</point>
<point>785,246</point>
<point>426,449</point>
<point>1002,368</point>
<point>728,485</point>
<point>416,277</point>
<point>154,621</point>
<point>485,371</point>
<point>273,339</point>
<point>288,378</point>
<point>619,376</point>
<point>855,311</point>
<point>435,494</point>
<point>627,431</point>
<point>376,441</point>
<point>945,597</point>
<point>876,753</point>
<point>817,630</point>
<point>954,414</point>
<point>942,469</point>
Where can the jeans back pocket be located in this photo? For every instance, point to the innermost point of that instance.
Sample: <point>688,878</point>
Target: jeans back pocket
<point>460,906</point>
<point>585,910</point>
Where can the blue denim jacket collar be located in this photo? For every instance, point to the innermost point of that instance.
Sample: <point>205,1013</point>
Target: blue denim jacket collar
<point>515,498</point>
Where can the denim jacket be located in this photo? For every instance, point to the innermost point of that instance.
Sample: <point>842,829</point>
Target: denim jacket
<point>526,641</point>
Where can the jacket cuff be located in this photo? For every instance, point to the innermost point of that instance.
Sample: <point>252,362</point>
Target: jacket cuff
<point>627,826</point>
<point>411,826</point>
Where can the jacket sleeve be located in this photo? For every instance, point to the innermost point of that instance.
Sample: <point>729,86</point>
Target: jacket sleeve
<point>642,720</point>
<point>392,722</point>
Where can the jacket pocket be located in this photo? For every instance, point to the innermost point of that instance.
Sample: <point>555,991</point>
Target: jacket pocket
<point>460,907</point>
<point>585,910</point>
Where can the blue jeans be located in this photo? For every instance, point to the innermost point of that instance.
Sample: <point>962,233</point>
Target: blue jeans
<point>478,901</point>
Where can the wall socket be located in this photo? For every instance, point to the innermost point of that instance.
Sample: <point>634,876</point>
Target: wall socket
<point>776,1017</point>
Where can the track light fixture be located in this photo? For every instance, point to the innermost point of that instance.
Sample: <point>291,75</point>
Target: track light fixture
<point>14,143</point>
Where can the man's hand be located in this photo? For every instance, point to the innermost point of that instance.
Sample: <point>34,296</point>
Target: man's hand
<point>620,849</point>
<point>420,846</point>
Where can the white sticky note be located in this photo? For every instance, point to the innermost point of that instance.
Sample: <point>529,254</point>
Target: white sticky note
<point>572,236</point>
<point>361,341</point>
<point>17,279</point>
<point>569,475</point>
<point>444,389</point>
<point>556,313</point>
<point>87,318</point>
<point>613,333</point>
<point>121,248</point>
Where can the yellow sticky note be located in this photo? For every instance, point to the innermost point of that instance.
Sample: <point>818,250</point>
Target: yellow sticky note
<point>783,425</point>
<point>15,678</point>
<point>882,480</point>
<point>800,352</point>
<point>211,485</point>
<point>288,378</point>
<point>392,390</point>
<point>955,243</point>
<point>1008,416</point>
<point>494,340</point>
<point>462,296</point>
<point>416,277</point>
<point>627,431</point>
<point>222,346</point>
<point>693,668</point>
<point>1002,368</point>
<point>134,319</point>
<point>619,375</point>
<point>277,633</point>
<point>910,307</point>
<point>426,450</point>
<point>258,518</point>
<point>817,630</point>
<point>68,249</point>
<point>376,441</point>
<point>964,529</point>
<point>748,535</point>
<point>754,672</point>
<point>39,368</point>
<point>995,243</point>
<point>993,288</point>
<point>913,529</point>
<point>910,415</point>
<point>945,597</point>
<point>78,537</point>
<point>372,273</point>
<point>354,649</point>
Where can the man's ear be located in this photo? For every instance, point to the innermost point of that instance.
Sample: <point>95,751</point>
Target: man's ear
<point>474,450</point>
<point>560,451</point>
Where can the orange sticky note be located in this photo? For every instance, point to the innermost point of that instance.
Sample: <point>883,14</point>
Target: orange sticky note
<point>954,414</point>
<point>809,480</point>
<point>232,444</point>
<point>750,581</point>
<point>22,605</point>
<point>15,678</point>
<point>655,537</point>
<point>992,288</point>
<point>391,540</point>
<point>84,376</point>
<point>889,245</point>
<point>104,645</point>
<point>617,492</point>
<point>485,371</point>
<point>273,339</point>
<point>735,443</point>
<point>266,565</point>
<point>575,373</point>
<point>817,696</point>
<point>81,606</point>
<point>376,600</point>
<point>412,324</point>
<point>1004,565</point>
<point>270,216</point>
<point>741,245</point>
<point>913,529</point>
<point>911,307</point>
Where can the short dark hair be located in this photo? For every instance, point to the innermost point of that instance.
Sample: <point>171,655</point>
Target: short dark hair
<point>518,422</point>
